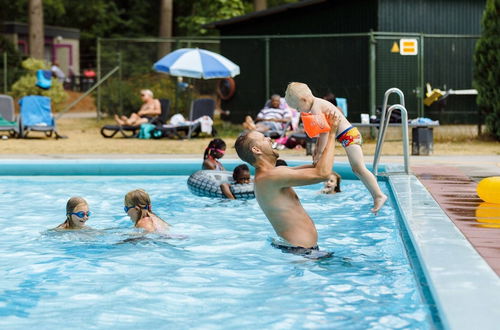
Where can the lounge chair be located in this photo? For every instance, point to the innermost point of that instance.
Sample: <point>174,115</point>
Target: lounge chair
<point>7,116</point>
<point>199,108</point>
<point>127,131</point>
<point>36,116</point>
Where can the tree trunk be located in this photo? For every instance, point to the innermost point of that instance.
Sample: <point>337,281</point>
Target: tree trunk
<point>165,27</point>
<point>259,5</point>
<point>36,33</point>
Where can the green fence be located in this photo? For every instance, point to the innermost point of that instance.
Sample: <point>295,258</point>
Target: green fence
<point>359,67</point>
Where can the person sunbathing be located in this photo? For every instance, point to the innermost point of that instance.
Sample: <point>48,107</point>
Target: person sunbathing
<point>273,117</point>
<point>149,110</point>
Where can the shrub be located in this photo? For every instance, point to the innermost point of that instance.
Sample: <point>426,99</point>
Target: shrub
<point>487,67</point>
<point>26,85</point>
<point>162,86</point>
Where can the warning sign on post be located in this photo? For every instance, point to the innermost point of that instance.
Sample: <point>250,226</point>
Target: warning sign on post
<point>408,46</point>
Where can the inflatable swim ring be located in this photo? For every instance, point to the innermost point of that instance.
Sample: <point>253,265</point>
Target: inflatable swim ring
<point>488,189</point>
<point>207,183</point>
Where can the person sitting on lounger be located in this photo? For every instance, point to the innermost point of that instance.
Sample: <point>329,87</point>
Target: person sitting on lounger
<point>149,110</point>
<point>273,117</point>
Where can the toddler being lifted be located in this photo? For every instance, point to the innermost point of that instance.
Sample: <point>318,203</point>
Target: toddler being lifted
<point>300,97</point>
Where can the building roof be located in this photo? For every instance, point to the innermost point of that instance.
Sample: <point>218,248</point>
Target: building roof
<point>50,31</point>
<point>263,13</point>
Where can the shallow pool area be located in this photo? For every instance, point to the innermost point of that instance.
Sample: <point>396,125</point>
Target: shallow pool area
<point>218,268</point>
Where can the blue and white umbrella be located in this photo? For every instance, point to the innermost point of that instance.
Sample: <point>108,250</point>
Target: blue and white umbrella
<point>196,63</point>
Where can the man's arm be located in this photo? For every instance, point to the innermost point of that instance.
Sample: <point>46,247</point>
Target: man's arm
<point>288,177</point>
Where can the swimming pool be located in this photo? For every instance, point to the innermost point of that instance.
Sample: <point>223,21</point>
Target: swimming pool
<point>223,274</point>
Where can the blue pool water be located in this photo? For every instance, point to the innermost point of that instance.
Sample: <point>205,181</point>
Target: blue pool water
<point>224,274</point>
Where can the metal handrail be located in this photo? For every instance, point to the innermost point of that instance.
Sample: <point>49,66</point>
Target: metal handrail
<point>384,123</point>
<point>97,84</point>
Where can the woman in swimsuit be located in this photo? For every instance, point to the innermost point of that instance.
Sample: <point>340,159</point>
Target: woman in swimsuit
<point>215,150</point>
<point>138,208</point>
<point>150,109</point>
<point>77,214</point>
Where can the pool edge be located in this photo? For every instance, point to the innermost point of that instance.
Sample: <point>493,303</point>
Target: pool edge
<point>464,287</point>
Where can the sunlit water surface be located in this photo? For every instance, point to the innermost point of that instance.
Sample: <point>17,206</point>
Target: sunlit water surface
<point>218,271</point>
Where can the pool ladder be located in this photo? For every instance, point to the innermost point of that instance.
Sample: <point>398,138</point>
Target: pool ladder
<point>384,122</point>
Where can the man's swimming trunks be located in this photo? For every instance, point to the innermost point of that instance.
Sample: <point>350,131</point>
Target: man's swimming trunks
<point>310,253</point>
<point>349,136</point>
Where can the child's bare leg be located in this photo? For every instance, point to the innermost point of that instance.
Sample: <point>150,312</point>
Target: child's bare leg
<point>355,156</point>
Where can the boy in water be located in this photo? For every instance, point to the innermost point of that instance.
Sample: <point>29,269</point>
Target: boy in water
<point>300,97</point>
<point>241,175</point>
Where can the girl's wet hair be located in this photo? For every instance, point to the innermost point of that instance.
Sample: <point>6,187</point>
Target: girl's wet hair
<point>214,144</point>
<point>72,203</point>
<point>238,169</point>
<point>139,197</point>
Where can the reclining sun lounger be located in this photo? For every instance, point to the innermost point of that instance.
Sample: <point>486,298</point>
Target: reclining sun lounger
<point>36,116</point>
<point>199,108</point>
<point>127,131</point>
<point>7,116</point>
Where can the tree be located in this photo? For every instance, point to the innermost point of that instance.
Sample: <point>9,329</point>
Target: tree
<point>259,5</point>
<point>166,14</point>
<point>487,67</point>
<point>36,32</point>
<point>206,11</point>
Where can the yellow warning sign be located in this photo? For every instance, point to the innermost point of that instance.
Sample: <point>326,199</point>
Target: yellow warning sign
<point>408,46</point>
<point>395,47</point>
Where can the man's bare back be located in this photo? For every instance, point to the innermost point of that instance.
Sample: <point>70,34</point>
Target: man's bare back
<point>282,207</point>
<point>273,185</point>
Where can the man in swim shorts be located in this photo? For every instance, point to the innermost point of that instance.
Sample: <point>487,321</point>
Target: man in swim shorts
<point>273,185</point>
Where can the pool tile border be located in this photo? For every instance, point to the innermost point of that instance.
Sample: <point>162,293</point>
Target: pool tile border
<point>464,287</point>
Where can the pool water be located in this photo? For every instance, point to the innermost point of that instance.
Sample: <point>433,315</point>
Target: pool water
<point>217,271</point>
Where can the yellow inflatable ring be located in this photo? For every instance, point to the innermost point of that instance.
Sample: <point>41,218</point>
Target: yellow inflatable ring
<point>488,189</point>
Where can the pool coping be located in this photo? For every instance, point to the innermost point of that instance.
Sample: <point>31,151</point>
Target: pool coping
<point>464,287</point>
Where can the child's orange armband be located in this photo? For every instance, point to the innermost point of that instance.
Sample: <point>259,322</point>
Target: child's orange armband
<point>314,124</point>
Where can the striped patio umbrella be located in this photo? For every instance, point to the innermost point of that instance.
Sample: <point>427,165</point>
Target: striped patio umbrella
<point>196,63</point>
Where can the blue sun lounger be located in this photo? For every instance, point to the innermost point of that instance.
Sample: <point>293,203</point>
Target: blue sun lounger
<point>36,116</point>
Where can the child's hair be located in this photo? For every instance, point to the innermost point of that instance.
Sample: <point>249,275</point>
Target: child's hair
<point>139,197</point>
<point>72,203</point>
<point>212,145</point>
<point>337,186</point>
<point>294,91</point>
<point>239,169</point>
<point>281,162</point>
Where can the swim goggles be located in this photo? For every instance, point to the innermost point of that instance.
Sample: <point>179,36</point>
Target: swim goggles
<point>218,150</point>
<point>81,214</point>
<point>126,208</point>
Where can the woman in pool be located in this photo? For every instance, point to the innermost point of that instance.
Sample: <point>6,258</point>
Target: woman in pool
<point>77,213</point>
<point>215,150</point>
<point>138,208</point>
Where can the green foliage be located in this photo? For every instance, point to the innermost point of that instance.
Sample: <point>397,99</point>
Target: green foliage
<point>13,59</point>
<point>161,85</point>
<point>487,67</point>
<point>206,11</point>
<point>26,85</point>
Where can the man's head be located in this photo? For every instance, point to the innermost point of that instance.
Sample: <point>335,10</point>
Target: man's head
<point>299,96</point>
<point>146,94</point>
<point>275,101</point>
<point>252,146</point>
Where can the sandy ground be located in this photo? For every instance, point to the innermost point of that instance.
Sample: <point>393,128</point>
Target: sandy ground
<point>84,138</point>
